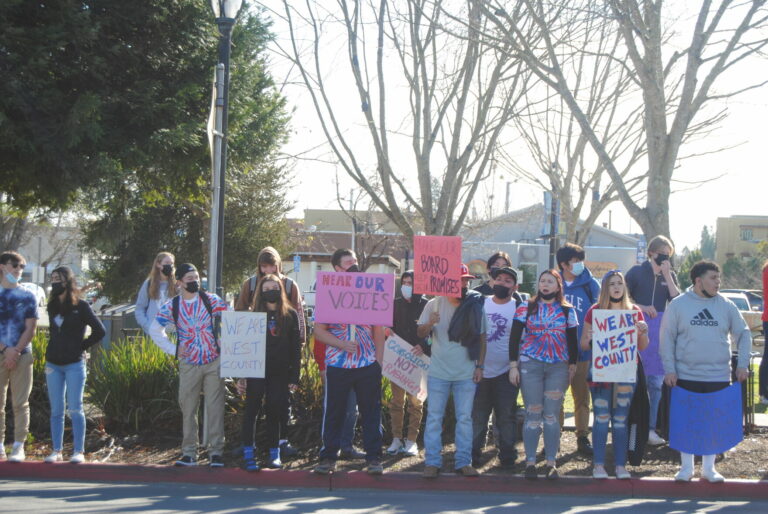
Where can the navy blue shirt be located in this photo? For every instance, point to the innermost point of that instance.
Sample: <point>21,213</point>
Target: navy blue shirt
<point>646,288</point>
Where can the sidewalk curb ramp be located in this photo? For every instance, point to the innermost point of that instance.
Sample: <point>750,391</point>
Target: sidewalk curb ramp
<point>568,486</point>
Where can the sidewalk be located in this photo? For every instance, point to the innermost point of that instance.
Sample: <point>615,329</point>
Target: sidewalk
<point>572,486</point>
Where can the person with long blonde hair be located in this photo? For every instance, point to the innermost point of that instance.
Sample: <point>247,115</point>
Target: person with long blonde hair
<point>611,400</point>
<point>157,289</point>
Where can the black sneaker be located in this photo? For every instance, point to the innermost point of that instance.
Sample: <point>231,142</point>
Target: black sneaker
<point>583,446</point>
<point>551,473</point>
<point>351,454</point>
<point>530,472</point>
<point>286,450</point>
<point>186,460</point>
<point>216,461</point>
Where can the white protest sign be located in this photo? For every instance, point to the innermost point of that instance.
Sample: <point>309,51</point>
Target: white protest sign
<point>243,344</point>
<point>405,369</point>
<point>614,345</point>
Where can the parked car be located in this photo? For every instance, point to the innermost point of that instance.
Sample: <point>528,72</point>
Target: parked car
<point>754,297</point>
<point>752,313</point>
<point>36,290</point>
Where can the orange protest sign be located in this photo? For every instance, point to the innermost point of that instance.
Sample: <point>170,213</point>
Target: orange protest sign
<point>437,265</point>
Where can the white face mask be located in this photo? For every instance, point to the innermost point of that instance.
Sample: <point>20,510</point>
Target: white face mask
<point>577,268</point>
<point>407,291</point>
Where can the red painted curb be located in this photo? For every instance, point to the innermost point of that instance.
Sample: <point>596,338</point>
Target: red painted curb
<point>570,486</point>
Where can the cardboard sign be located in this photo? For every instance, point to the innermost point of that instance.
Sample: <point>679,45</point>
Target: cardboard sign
<point>705,423</point>
<point>437,265</point>
<point>358,298</point>
<point>405,369</point>
<point>614,345</point>
<point>243,344</point>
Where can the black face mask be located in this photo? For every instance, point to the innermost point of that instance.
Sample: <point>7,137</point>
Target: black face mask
<point>167,269</point>
<point>193,286</point>
<point>548,296</point>
<point>353,269</point>
<point>660,258</point>
<point>464,292</point>
<point>706,294</point>
<point>616,300</point>
<point>500,291</point>
<point>271,296</point>
<point>57,288</point>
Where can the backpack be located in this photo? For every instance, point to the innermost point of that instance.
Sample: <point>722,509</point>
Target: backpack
<point>214,321</point>
<point>588,290</point>
<point>287,283</point>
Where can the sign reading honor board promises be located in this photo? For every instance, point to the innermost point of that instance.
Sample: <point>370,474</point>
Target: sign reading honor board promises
<point>405,369</point>
<point>437,265</point>
<point>243,344</point>
<point>358,298</point>
<point>614,345</point>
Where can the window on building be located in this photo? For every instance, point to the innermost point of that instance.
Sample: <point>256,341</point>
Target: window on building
<point>746,234</point>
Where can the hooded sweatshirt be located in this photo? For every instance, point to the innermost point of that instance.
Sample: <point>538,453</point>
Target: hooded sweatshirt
<point>694,338</point>
<point>583,292</point>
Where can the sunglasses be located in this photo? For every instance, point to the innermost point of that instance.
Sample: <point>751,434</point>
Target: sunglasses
<point>17,265</point>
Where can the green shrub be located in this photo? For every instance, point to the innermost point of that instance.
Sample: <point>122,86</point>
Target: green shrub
<point>39,406</point>
<point>135,385</point>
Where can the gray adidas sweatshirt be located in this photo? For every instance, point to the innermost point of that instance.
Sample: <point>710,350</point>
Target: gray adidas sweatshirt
<point>694,338</point>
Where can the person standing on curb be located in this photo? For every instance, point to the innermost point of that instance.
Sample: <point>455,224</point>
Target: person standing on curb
<point>157,289</point>
<point>763,373</point>
<point>198,352</point>
<point>651,286</point>
<point>495,393</point>
<point>458,328</point>
<point>581,291</point>
<point>353,362</point>
<point>542,363</point>
<point>696,350</point>
<point>408,309</point>
<point>18,319</point>
<point>611,400</point>
<point>65,363</point>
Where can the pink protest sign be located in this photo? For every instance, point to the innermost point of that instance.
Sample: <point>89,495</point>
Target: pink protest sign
<point>437,265</point>
<point>357,298</point>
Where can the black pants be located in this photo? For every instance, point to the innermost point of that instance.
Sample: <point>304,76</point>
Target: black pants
<point>366,382</point>
<point>694,386</point>
<point>276,390</point>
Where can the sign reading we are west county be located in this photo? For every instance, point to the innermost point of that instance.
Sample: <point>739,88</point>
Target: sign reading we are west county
<point>405,369</point>
<point>357,298</point>
<point>437,265</point>
<point>243,344</point>
<point>614,345</point>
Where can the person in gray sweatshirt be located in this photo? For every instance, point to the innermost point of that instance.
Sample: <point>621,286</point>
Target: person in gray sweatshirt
<point>696,350</point>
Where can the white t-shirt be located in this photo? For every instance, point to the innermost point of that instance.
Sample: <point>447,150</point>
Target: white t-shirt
<point>499,319</point>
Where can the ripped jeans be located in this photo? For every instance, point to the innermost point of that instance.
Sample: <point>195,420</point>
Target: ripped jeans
<point>607,410</point>
<point>543,385</point>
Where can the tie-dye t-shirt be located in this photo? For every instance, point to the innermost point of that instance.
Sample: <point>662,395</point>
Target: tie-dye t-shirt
<point>365,355</point>
<point>17,305</point>
<point>194,335</point>
<point>544,338</point>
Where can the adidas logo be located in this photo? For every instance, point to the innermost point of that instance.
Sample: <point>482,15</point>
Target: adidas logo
<point>704,319</point>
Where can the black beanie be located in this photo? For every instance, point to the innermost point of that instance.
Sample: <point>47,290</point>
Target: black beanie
<point>183,269</point>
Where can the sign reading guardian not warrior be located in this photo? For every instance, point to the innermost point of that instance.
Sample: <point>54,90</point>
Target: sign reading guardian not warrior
<point>437,265</point>
<point>614,345</point>
<point>357,298</point>
<point>243,344</point>
<point>405,369</point>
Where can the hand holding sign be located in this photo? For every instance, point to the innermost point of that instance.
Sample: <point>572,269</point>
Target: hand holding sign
<point>437,264</point>
<point>403,367</point>
<point>361,298</point>
<point>614,345</point>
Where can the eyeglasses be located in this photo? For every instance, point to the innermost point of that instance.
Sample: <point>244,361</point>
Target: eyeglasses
<point>17,265</point>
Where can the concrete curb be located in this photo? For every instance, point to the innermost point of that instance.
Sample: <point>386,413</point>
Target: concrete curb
<point>569,486</point>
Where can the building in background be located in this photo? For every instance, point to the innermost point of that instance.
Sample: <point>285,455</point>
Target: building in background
<point>738,236</point>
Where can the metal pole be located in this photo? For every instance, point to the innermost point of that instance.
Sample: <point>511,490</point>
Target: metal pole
<point>553,232</point>
<point>213,256</point>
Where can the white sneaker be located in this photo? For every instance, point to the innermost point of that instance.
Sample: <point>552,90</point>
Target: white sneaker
<point>599,473</point>
<point>2,451</point>
<point>622,473</point>
<point>410,448</point>
<point>684,475</point>
<point>395,447</point>
<point>77,458</point>
<point>17,454</point>
<point>54,457</point>
<point>654,439</point>
<point>712,475</point>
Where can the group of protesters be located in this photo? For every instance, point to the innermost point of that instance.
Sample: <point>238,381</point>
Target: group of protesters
<point>485,347</point>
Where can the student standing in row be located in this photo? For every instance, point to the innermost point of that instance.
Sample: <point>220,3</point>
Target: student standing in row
<point>65,365</point>
<point>157,289</point>
<point>611,400</point>
<point>542,363</point>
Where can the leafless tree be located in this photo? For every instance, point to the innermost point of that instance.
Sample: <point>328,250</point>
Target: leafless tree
<point>423,83</point>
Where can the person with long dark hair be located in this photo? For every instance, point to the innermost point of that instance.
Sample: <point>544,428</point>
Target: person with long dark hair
<point>157,289</point>
<point>65,363</point>
<point>283,361</point>
<point>543,362</point>
<point>611,400</point>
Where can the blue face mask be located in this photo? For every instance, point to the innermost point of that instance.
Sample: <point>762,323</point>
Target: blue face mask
<point>577,268</point>
<point>11,278</point>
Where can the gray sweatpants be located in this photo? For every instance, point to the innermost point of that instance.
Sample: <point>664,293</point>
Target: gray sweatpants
<point>543,385</point>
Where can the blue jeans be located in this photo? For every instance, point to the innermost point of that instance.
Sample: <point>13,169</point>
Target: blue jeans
<point>463,396</point>
<point>67,380</point>
<point>616,414</point>
<point>654,383</point>
<point>543,385</point>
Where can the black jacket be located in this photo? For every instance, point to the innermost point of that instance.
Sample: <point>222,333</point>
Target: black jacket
<point>407,315</point>
<point>467,323</point>
<point>283,352</point>
<point>68,342</point>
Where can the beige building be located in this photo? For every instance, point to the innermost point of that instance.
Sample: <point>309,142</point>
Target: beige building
<point>738,236</point>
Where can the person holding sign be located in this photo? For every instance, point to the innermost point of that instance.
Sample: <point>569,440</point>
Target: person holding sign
<point>696,350</point>
<point>458,328</point>
<point>352,358</point>
<point>543,362</point>
<point>198,351</point>
<point>283,363</point>
<point>611,400</point>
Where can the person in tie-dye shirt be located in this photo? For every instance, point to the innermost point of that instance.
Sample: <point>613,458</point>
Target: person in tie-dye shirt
<point>198,354</point>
